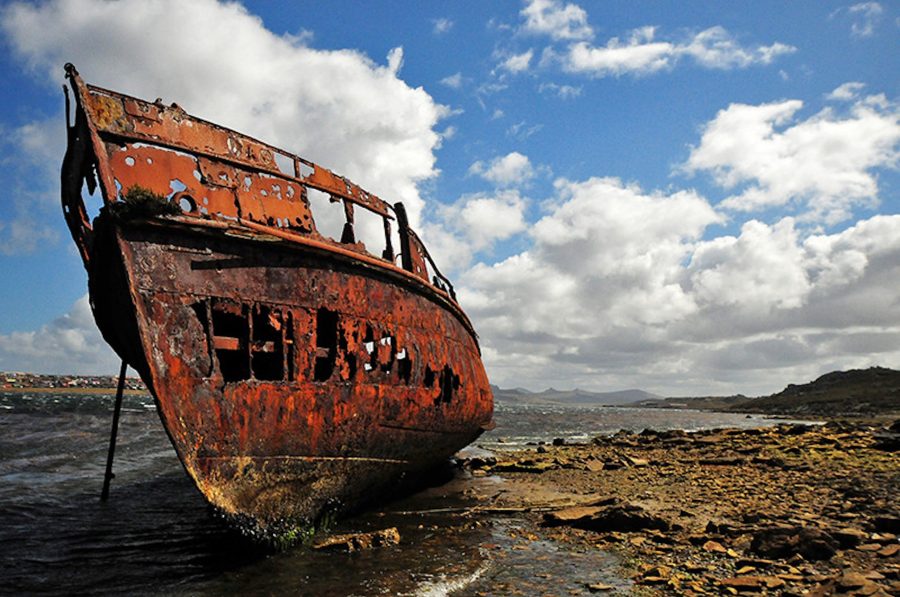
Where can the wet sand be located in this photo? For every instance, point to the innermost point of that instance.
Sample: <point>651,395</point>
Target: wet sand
<point>786,510</point>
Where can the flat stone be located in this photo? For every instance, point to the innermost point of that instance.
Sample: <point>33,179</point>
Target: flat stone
<point>569,515</point>
<point>714,547</point>
<point>809,542</point>
<point>743,583</point>
<point>621,517</point>
<point>852,580</point>
<point>360,541</point>
<point>599,587</point>
<point>889,551</point>
<point>849,537</point>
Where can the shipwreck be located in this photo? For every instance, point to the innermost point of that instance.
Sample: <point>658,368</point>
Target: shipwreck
<point>294,373</point>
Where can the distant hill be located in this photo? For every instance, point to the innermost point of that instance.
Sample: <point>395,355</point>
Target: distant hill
<point>571,397</point>
<point>853,392</point>
<point>839,393</point>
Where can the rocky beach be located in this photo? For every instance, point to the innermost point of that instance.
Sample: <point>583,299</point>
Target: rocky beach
<point>784,510</point>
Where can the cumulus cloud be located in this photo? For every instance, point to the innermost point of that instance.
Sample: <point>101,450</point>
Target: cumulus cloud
<point>557,20</point>
<point>822,166</point>
<point>622,287</point>
<point>486,218</point>
<point>68,343</point>
<point>757,271</point>
<point>220,62</point>
<point>641,53</point>
<point>512,169</point>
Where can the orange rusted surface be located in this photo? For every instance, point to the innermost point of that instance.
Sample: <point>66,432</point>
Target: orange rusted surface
<point>293,372</point>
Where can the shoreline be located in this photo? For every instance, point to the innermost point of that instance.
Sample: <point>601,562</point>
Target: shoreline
<point>783,510</point>
<point>69,391</point>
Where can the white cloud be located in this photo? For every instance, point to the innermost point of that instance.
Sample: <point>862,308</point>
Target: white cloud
<point>847,92</point>
<point>453,81</point>
<point>70,343</point>
<point>716,48</point>
<point>517,63</point>
<point>484,219</point>
<point>522,130</point>
<point>758,271</point>
<point>221,63</point>
<point>821,166</point>
<point>642,54</point>
<point>866,17</point>
<point>621,288</point>
<point>562,91</point>
<point>24,234</point>
<point>32,154</point>
<point>441,26</point>
<point>557,20</point>
<point>512,169</point>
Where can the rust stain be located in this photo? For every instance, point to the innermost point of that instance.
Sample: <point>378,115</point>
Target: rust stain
<point>293,372</point>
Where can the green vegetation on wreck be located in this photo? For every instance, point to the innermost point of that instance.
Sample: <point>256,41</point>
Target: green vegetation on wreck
<point>138,202</point>
<point>282,534</point>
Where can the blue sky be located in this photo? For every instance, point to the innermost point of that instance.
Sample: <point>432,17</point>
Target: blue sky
<point>684,197</point>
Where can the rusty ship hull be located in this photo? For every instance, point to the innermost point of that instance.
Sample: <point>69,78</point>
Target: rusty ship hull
<point>295,374</point>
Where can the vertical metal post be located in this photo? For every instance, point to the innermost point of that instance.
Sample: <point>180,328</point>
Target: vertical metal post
<point>112,436</point>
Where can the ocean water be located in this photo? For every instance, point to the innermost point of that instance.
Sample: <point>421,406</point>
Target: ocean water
<point>156,536</point>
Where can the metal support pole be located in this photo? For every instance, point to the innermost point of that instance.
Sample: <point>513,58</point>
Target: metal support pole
<point>112,436</point>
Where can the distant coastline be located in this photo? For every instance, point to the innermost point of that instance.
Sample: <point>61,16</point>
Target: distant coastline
<point>852,393</point>
<point>20,382</point>
<point>93,391</point>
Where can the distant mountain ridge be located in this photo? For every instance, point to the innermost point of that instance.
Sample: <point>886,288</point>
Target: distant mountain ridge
<point>571,397</point>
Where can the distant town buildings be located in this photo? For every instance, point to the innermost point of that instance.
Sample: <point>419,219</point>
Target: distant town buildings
<point>18,379</point>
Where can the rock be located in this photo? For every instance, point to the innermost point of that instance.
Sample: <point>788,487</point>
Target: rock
<point>887,524</point>
<point>559,441</point>
<point>849,537</point>
<point>524,466</point>
<point>888,441</point>
<point>852,580</point>
<point>714,547</point>
<point>479,462</point>
<point>621,518</point>
<point>721,461</point>
<point>636,462</point>
<point>595,466</point>
<point>599,587</point>
<point>567,516</point>
<point>744,583</point>
<point>889,551</point>
<point>809,542</point>
<point>770,461</point>
<point>360,541</point>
